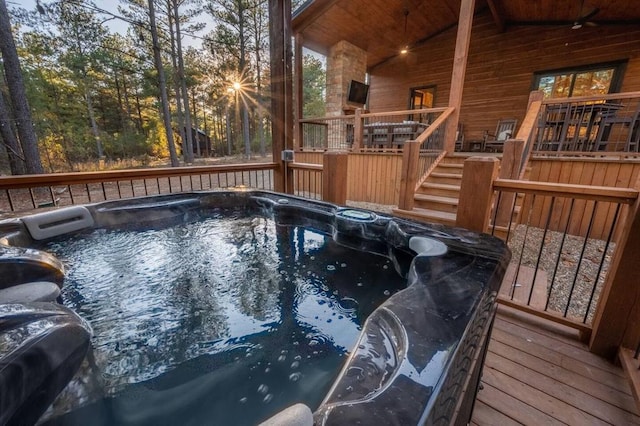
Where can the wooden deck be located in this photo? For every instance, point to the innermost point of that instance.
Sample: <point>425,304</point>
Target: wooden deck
<point>540,373</point>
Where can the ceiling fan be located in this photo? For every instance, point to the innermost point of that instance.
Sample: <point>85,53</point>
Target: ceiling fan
<point>584,19</point>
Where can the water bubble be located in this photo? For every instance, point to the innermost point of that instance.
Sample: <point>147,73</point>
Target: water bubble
<point>344,265</point>
<point>266,370</point>
<point>294,365</point>
<point>385,267</point>
<point>329,320</point>
<point>313,342</point>
<point>243,400</point>
<point>313,258</point>
<point>294,377</point>
<point>331,268</point>
<point>359,284</point>
<point>297,358</point>
<point>386,292</point>
<point>263,389</point>
<point>281,358</point>
<point>267,399</point>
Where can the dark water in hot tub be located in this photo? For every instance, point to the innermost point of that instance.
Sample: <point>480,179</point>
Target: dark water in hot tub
<point>223,321</point>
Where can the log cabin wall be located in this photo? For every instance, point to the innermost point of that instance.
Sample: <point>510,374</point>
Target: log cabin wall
<point>500,67</point>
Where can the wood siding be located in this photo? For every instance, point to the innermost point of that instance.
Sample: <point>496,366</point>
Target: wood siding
<point>500,67</point>
<point>373,177</point>
<point>584,171</point>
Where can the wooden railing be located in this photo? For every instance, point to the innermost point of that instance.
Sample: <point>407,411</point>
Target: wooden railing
<point>565,244</point>
<point>589,124</point>
<point>19,193</point>
<point>371,131</point>
<point>307,180</point>
<point>417,162</point>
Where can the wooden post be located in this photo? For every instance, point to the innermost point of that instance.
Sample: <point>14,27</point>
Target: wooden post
<point>509,169</point>
<point>334,177</point>
<point>357,130</point>
<point>618,313</point>
<point>409,174</point>
<point>465,22</point>
<point>527,127</point>
<point>476,193</point>
<point>298,98</point>
<point>281,90</point>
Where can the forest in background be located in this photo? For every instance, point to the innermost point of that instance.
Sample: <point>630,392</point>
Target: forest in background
<point>97,95</point>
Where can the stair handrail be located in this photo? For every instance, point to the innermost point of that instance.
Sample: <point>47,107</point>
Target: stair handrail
<point>527,129</point>
<point>410,161</point>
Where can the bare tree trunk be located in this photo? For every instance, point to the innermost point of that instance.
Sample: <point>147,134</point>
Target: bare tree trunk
<point>256,40</point>
<point>127,106</point>
<point>183,83</point>
<point>14,153</point>
<point>17,93</point>
<point>92,119</point>
<point>243,66</point>
<point>176,84</point>
<point>163,85</point>
<point>195,123</point>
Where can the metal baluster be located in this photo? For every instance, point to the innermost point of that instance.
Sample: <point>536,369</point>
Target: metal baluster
<point>584,246</point>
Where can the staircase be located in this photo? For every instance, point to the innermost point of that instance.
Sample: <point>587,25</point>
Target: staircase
<point>436,200</point>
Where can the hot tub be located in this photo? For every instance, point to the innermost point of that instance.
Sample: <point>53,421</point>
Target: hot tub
<point>228,307</point>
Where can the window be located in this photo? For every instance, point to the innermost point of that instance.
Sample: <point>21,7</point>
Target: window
<point>422,97</point>
<point>589,80</point>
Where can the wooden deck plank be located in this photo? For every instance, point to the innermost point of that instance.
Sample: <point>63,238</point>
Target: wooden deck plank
<point>594,388</point>
<point>559,410</point>
<point>608,378</point>
<point>587,405</point>
<point>567,335</point>
<point>533,375</point>
<point>503,409</point>
<point>576,353</point>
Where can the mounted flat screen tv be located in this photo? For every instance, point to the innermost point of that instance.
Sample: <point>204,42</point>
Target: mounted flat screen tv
<point>358,92</point>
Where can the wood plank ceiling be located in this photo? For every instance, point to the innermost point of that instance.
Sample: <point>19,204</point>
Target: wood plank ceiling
<point>384,27</point>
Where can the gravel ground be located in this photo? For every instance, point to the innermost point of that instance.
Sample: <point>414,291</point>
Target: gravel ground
<point>581,267</point>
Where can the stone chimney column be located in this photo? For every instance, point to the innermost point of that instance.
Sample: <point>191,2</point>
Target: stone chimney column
<point>345,62</point>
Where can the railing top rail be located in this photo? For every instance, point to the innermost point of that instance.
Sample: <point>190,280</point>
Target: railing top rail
<point>434,126</point>
<point>32,181</point>
<point>611,96</point>
<point>323,120</point>
<point>403,112</point>
<point>597,193</point>
<point>306,166</point>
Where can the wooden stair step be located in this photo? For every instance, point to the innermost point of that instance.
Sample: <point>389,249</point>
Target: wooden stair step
<point>446,175</point>
<point>436,199</point>
<point>436,202</point>
<point>446,178</point>
<point>445,186</point>
<point>440,189</point>
<point>427,215</point>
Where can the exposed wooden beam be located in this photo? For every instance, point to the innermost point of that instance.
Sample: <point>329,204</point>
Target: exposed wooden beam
<point>281,89</point>
<point>298,96</point>
<point>465,23</point>
<point>497,16</point>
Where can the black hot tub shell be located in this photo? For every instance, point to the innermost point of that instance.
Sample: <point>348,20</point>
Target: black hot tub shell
<point>418,359</point>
